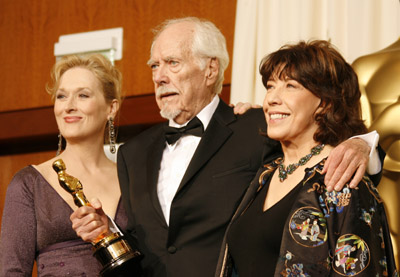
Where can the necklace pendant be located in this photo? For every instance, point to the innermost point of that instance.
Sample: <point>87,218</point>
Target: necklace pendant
<point>283,174</point>
<point>282,177</point>
<point>291,168</point>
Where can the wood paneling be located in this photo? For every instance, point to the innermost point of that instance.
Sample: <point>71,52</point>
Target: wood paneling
<point>29,29</point>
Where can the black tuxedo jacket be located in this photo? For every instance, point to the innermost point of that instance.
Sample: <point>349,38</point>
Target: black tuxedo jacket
<point>227,158</point>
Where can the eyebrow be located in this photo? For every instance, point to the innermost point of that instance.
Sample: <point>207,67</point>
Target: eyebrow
<point>166,59</point>
<point>77,89</point>
<point>150,62</point>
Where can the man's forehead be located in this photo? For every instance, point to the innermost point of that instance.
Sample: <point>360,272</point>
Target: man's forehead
<point>166,52</point>
<point>170,47</point>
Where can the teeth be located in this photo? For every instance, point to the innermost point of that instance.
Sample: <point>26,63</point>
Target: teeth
<point>278,116</point>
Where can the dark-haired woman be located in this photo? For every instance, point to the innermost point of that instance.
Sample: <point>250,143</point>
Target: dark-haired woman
<point>288,224</point>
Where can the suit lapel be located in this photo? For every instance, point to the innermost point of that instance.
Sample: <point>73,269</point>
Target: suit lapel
<point>155,152</point>
<point>213,138</point>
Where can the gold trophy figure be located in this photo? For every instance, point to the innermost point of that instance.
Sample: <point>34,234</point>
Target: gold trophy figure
<point>379,78</point>
<point>113,251</point>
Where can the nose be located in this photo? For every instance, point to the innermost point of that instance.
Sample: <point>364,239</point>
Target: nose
<point>272,97</point>
<point>71,104</point>
<point>160,75</point>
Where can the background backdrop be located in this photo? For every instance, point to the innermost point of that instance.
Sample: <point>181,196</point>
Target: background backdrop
<point>355,27</point>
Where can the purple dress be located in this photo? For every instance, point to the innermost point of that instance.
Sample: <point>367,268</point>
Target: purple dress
<point>36,225</point>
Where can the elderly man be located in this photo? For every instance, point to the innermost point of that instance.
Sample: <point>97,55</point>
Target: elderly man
<point>182,180</point>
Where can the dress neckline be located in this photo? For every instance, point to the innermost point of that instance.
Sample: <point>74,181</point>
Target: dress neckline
<point>272,167</point>
<point>62,199</point>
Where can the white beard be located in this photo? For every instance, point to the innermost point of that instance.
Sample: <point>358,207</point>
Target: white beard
<point>169,113</point>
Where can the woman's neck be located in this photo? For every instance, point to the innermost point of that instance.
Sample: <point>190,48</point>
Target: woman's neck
<point>85,156</point>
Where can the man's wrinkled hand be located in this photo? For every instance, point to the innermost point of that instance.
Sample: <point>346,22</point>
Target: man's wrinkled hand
<point>347,159</point>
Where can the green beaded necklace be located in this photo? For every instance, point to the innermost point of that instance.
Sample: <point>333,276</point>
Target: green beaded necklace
<point>283,173</point>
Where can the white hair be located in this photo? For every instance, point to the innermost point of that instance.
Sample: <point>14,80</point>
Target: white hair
<point>207,42</point>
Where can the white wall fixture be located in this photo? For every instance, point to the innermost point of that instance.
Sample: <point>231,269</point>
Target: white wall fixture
<point>109,42</point>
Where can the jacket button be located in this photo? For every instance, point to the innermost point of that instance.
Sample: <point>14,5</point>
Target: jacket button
<point>171,249</point>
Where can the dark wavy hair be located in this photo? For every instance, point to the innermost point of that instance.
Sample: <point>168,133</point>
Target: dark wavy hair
<point>320,68</point>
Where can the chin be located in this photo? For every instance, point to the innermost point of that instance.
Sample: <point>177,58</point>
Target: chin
<point>276,136</point>
<point>170,114</point>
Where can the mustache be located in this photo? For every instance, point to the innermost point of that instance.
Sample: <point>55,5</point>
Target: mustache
<point>163,90</point>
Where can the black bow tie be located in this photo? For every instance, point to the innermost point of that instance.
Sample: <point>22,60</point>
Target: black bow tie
<point>194,127</point>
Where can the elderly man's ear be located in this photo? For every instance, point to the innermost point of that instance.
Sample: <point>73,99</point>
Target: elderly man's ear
<point>212,71</point>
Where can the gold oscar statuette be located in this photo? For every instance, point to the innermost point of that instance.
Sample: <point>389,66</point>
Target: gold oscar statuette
<point>378,75</point>
<point>115,254</point>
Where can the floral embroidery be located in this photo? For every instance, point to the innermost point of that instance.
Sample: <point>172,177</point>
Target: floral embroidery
<point>351,255</point>
<point>294,269</point>
<point>383,261</point>
<point>367,216</point>
<point>335,200</point>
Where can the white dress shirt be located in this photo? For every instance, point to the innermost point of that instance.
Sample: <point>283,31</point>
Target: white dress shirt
<point>176,159</point>
<point>374,164</point>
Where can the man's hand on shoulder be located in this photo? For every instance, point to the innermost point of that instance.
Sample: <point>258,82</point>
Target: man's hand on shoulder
<point>347,159</point>
<point>241,108</point>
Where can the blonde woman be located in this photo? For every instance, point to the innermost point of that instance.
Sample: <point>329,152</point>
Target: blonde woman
<point>36,220</point>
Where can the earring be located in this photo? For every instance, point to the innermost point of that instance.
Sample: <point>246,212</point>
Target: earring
<point>59,144</point>
<point>111,135</point>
